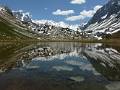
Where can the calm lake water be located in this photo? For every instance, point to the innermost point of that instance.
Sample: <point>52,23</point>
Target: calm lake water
<point>59,66</point>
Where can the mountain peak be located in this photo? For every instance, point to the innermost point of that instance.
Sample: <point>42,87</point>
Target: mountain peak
<point>106,20</point>
<point>56,24</point>
<point>5,9</point>
<point>23,16</point>
<point>112,7</point>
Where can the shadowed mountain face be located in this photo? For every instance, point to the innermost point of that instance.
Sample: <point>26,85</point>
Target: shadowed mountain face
<point>79,66</point>
<point>106,21</point>
<point>112,7</point>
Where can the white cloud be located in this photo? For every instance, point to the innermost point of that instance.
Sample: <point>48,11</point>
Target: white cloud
<point>75,18</point>
<point>78,1</point>
<point>45,8</point>
<point>63,13</point>
<point>97,7</point>
<point>84,14</point>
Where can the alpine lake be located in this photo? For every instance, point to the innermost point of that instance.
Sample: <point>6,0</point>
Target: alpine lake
<point>59,66</point>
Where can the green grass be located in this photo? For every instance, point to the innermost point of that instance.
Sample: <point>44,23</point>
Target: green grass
<point>5,29</point>
<point>7,32</point>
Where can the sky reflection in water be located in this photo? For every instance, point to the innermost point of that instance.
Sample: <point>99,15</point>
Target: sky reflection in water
<point>69,65</point>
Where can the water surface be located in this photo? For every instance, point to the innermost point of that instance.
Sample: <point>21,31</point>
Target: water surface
<point>59,66</point>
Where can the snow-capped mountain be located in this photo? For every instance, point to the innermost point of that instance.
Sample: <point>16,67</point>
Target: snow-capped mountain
<point>52,32</point>
<point>105,21</point>
<point>48,29</point>
<point>5,9</point>
<point>23,16</point>
<point>13,28</point>
<point>2,8</point>
<point>56,24</point>
<point>26,17</point>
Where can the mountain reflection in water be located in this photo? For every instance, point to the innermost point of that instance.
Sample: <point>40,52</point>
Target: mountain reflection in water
<point>59,66</point>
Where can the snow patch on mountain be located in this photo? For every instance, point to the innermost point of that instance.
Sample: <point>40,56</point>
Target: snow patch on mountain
<point>104,16</point>
<point>27,17</point>
<point>1,8</point>
<point>23,16</point>
<point>57,24</point>
<point>107,26</point>
<point>105,21</point>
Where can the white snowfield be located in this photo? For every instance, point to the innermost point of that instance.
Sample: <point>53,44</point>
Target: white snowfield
<point>56,24</point>
<point>108,26</point>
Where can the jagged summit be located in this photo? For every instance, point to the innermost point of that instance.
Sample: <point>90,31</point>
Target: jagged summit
<point>23,16</point>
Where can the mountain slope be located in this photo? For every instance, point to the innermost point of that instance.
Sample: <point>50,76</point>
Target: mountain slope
<point>19,25</point>
<point>48,29</point>
<point>11,28</point>
<point>106,21</point>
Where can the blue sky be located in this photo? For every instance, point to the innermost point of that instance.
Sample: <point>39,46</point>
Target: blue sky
<point>68,11</point>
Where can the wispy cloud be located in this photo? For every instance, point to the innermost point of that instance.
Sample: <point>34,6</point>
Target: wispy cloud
<point>84,14</point>
<point>45,8</point>
<point>78,1</point>
<point>63,12</point>
<point>75,18</point>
